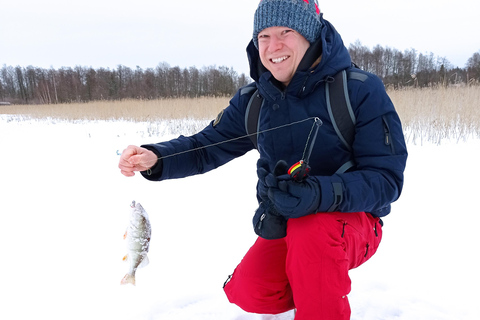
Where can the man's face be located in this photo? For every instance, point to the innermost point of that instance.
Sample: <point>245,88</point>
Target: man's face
<point>281,50</point>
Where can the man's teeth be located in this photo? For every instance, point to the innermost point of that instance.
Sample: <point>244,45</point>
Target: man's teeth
<point>278,60</point>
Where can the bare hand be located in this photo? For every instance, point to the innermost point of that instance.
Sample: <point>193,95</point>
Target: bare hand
<point>135,158</point>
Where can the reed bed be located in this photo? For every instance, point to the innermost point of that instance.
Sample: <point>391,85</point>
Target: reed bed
<point>436,114</point>
<point>431,114</point>
<point>132,110</point>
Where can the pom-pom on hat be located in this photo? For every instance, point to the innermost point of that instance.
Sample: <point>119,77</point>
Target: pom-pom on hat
<point>302,16</point>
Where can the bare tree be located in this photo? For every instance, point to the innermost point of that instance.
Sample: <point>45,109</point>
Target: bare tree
<point>473,68</point>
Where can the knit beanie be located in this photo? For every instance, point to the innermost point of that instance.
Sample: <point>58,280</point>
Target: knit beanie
<point>302,16</point>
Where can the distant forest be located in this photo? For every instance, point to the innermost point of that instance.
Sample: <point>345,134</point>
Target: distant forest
<point>32,85</point>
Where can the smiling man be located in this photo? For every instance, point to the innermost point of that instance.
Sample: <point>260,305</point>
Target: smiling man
<point>281,49</point>
<point>313,229</point>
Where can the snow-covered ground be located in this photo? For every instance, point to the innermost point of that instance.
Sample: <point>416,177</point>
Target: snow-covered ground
<point>64,209</point>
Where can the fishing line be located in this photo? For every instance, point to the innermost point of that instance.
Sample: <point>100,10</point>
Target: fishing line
<point>316,119</point>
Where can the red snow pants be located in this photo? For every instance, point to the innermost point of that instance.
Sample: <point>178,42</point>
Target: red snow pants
<point>308,269</point>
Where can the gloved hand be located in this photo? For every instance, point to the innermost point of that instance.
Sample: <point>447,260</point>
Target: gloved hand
<point>290,198</point>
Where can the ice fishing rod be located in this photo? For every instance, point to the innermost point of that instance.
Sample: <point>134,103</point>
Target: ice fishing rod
<point>299,171</point>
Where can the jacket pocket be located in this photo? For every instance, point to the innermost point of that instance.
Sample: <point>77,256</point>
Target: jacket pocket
<point>268,224</point>
<point>388,134</point>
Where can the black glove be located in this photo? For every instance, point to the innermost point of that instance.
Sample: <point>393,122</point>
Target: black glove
<point>290,198</point>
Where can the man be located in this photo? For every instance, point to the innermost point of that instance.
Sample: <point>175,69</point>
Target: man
<point>327,223</point>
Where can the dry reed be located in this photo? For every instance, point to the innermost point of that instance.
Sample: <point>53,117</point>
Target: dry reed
<point>134,110</point>
<point>439,113</point>
<point>433,114</point>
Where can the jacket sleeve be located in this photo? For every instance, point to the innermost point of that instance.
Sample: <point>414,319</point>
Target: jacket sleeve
<point>379,152</point>
<point>221,141</point>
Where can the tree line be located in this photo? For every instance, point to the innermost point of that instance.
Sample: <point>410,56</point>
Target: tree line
<point>33,85</point>
<point>410,68</point>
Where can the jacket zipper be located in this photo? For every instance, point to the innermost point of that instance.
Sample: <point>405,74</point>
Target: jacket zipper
<point>388,140</point>
<point>260,222</point>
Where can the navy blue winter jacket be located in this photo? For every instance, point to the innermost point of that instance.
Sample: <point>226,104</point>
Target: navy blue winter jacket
<point>379,149</point>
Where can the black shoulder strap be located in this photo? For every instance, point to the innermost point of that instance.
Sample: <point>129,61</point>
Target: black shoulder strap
<point>340,109</point>
<point>341,113</point>
<point>252,116</point>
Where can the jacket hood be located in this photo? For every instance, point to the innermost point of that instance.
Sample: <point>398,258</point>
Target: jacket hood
<point>329,45</point>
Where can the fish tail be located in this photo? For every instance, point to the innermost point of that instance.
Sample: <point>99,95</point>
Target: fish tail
<point>128,279</point>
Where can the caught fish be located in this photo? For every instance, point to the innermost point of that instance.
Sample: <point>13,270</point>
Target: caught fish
<point>138,241</point>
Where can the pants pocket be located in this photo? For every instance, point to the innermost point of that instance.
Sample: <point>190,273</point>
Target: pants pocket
<point>361,237</point>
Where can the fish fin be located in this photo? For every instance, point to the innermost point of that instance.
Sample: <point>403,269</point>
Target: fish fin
<point>125,235</point>
<point>125,257</point>
<point>128,279</point>
<point>144,262</point>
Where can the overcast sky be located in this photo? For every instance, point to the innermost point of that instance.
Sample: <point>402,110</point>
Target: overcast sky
<point>106,33</point>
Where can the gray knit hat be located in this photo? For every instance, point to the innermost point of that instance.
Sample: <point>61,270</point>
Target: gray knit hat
<point>302,16</point>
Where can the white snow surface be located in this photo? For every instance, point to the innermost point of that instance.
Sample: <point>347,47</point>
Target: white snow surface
<point>65,208</point>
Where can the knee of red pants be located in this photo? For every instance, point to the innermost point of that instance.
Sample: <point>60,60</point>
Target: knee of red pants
<point>259,284</point>
<point>256,296</point>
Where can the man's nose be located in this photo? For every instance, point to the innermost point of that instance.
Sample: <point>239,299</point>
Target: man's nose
<point>275,44</point>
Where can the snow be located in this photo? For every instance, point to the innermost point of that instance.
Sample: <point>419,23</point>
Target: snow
<point>65,208</point>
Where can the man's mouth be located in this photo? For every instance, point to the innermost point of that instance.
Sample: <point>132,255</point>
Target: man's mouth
<point>280,59</point>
